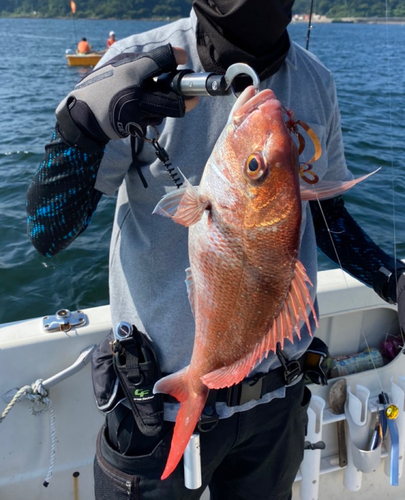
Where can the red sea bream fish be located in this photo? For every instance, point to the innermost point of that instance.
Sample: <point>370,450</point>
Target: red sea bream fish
<point>246,286</point>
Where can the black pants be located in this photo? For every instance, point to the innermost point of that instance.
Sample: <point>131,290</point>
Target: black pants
<point>253,455</point>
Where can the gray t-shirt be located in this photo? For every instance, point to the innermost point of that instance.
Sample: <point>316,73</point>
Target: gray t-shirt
<point>149,253</point>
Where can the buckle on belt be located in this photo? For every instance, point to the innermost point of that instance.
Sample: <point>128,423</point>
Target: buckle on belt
<point>209,417</point>
<point>292,369</point>
<point>245,391</point>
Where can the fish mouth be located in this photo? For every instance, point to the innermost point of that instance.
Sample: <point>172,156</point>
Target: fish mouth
<point>248,102</point>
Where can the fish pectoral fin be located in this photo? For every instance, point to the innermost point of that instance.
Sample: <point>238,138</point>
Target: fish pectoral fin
<point>288,320</point>
<point>185,205</point>
<point>169,204</point>
<point>328,189</point>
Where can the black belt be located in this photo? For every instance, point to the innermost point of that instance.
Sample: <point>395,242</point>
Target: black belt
<point>259,385</point>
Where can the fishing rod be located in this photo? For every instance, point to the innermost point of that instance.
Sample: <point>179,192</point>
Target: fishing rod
<point>73,9</point>
<point>309,24</point>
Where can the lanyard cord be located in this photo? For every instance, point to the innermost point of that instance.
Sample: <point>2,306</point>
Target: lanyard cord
<point>161,153</point>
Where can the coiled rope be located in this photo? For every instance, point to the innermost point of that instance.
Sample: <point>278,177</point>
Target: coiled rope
<point>40,404</point>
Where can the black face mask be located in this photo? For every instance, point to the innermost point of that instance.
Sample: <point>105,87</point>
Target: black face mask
<point>249,31</point>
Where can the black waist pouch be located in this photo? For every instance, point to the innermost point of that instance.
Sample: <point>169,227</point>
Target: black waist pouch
<point>137,368</point>
<point>127,369</point>
<point>106,385</point>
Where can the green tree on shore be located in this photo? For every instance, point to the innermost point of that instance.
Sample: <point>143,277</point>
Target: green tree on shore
<point>141,9</point>
<point>352,8</point>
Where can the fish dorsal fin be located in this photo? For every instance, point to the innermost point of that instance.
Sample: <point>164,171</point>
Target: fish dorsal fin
<point>288,320</point>
<point>185,206</point>
<point>329,189</point>
<point>190,288</point>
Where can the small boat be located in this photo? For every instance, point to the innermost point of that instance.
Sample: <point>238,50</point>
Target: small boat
<point>44,370</point>
<point>90,59</point>
<point>76,59</point>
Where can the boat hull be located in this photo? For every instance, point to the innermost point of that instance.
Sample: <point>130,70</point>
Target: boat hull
<point>83,59</point>
<point>28,353</point>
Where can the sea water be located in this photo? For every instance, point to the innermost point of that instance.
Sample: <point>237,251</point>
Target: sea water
<point>369,67</point>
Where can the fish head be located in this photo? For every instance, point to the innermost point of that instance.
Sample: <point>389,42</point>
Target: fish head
<point>257,157</point>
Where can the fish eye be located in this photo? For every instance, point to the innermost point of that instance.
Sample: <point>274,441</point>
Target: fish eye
<point>255,167</point>
<point>253,164</point>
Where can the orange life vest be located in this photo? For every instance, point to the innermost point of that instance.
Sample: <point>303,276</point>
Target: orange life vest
<point>110,41</point>
<point>83,47</point>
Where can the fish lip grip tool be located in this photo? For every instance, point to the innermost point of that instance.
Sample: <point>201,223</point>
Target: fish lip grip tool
<point>187,83</point>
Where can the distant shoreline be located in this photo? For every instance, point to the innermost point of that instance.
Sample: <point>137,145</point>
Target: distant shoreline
<point>297,19</point>
<point>350,20</point>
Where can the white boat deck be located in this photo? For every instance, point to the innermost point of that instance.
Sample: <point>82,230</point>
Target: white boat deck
<point>350,313</point>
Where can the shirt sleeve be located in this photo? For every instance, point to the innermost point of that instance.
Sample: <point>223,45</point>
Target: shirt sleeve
<point>61,198</point>
<point>337,167</point>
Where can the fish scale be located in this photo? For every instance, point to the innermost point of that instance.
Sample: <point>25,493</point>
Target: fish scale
<point>246,287</point>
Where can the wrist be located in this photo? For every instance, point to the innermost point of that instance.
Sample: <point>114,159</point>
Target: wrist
<point>385,282</point>
<point>77,135</point>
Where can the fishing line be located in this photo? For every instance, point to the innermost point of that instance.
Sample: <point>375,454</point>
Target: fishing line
<point>393,200</point>
<point>392,166</point>
<point>348,288</point>
<point>73,11</point>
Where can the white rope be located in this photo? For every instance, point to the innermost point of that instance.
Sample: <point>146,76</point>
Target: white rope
<point>40,404</point>
<point>53,445</point>
<point>21,392</point>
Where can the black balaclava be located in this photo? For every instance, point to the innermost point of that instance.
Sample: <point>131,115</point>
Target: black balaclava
<point>249,31</point>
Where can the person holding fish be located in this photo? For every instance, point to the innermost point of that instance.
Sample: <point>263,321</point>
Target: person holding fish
<point>228,350</point>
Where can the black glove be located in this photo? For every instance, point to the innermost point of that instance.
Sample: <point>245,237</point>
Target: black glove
<point>390,286</point>
<point>387,281</point>
<point>119,98</point>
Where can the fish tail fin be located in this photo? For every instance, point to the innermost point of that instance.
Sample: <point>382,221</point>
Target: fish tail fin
<point>329,189</point>
<point>190,410</point>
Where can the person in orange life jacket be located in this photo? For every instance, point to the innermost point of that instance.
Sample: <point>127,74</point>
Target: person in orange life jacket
<point>111,40</point>
<point>83,47</point>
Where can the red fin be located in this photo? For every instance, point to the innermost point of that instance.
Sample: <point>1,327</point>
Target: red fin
<point>186,421</point>
<point>185,206</point>
<point>229,375</point>
<point>192,404</point>
<point>174,385</point>
<point>293,311</point>
<point>329,189</point>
